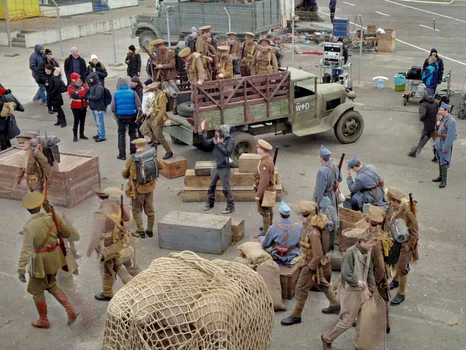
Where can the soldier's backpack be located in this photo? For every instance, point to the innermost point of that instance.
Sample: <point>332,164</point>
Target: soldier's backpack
<point>190,42</point>
<point>50,150</point>
<point>147,168</point>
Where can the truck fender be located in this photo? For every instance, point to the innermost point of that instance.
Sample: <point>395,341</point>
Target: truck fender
<point>340,110</point>
<point>144,26</point>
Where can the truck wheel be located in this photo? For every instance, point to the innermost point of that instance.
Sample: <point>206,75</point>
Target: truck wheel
<point>185,109</point>
<point>176,141</point>
<point>146,37</point>
<point>244,143</point>
<point>349,127</point>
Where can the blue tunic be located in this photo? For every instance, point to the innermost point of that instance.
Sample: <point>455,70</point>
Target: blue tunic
<point>275,238</point>
<point>367,178</point>
<point>443,148</point>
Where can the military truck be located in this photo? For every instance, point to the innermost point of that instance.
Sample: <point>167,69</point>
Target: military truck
<point>257,17</point>
<point>289,101</point>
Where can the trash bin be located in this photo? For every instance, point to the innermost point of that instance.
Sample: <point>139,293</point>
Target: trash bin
<point>380,84</point>
<point>400,81</point>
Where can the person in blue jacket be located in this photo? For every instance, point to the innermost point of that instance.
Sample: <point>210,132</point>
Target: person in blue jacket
<point>125,105</point>
<point>430,76</point>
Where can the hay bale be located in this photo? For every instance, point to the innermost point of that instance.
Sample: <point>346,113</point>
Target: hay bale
<point>186,302</point>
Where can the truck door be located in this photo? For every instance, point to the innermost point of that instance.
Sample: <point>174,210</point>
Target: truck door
<point>304,113</point>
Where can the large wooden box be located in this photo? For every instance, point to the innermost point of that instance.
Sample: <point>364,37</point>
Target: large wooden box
<point>201,233</point>
<point>237,178</point>
<point>288,279</point>
<point>248,162</point>
<point>240,194</point>
<point>351,219</point>
<point>203,168</point>
<point>174,167</point>
<point>74,182</point>
<point>237,229</point>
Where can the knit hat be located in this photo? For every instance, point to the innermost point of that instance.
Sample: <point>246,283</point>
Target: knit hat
<point>74,48</point>
<point>136,79</point>
<point>75,76</point>
<point>131,48</point>
<point>47,51</point>
<point>94,57</point>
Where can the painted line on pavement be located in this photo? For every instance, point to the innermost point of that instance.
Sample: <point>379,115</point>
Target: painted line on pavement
<point>432,13</point>
<point>409,44</point>
<point>383,14</point>
<point>348,3</point>
<point>422,25</point>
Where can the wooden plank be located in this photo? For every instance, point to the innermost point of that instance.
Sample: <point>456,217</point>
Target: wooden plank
<point>240,194</point>
<point>202,233</point>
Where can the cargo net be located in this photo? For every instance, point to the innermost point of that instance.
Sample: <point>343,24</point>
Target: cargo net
<point>184,302</point>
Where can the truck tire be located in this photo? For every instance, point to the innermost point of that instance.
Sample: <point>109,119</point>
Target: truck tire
<point>349,127</point>
<point>176,141</point>
<point>244,143</point>
<point>146,37</point>
<point>185,109</point>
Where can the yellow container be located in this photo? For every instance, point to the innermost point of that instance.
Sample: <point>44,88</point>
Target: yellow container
<point>20,9</point>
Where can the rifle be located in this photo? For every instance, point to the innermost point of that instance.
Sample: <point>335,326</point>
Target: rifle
<point>121,207</point>
<point>412,208</point>
<point>382,287</point>
<point>154,62</point>
<point>275,155</point>
<point>342,158</point>
<point>336,185</point>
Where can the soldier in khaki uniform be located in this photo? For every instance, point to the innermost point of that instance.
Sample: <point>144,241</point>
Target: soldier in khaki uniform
<point>202,47</point>
<point>157,118</point>
<point>109,237</point>
<point>315,259</point>
<point>194,68</point>
<point>265,60</point>
<point>37,168</point>
<point>142,196</point>
<point>233,51</point>
<point>264,181</point>
<point>246,54</point>
<point>398,210</point>
<point>225,64</point>
<point>42,253</point>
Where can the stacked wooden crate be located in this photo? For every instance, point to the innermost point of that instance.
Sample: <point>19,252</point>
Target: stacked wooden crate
<point>197,180</point>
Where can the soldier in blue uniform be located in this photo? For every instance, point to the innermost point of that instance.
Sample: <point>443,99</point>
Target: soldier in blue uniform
<point>367,187</point>
<point>443,147</point>
<point>284,234</point>
<point>327,182</point>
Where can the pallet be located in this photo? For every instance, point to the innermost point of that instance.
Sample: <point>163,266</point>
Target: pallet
<point>74,182</point>
<point>237,178</point>
<point>240,194</point>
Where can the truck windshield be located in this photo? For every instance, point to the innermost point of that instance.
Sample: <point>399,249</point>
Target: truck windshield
<point>304,88</point>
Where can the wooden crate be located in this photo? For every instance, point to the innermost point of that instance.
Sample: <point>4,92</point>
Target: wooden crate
<point>237,178</point>
<point>240,194</point>
<point>248,162</point>
<point>351,219</point>
<point>237,229</point>
<point>288,279</point>
<point>74,182</point>
<point>203,168</point>
<point>174,167</point>
<point>201,233</point>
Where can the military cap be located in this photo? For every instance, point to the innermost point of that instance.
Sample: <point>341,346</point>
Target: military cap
<point>362,234</point>
<point>375,214</point>
<point>205,28</point>
<point>184,53</point>
<point>32,200</point>
<point>324,152</point>
<point>352,162</point>
<point>231,33</point>
<point>249,34</point>
<point>27,135</point>
<point>140,141</point>
<point>265,145</point>
<point>113,192</point>
<point>223,48</point>
<point>156,42</point>
<point>307,206</point>
<point>153,85</point>
<point>264,39</point>
<point>284,209</point>
<point>445,106</point>
<point>396,193</point>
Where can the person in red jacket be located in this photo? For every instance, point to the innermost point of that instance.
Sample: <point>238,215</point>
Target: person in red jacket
<point>77,94</point>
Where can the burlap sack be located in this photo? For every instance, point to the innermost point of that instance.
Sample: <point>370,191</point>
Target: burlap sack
<point>348,238</point>
<point>254,253</point>
<point>270,272</point>
<point>371,324</point>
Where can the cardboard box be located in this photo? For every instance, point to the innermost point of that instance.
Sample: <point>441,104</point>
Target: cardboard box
<point>386,42</point>
<point>174,167</point>
<point>248,162</point>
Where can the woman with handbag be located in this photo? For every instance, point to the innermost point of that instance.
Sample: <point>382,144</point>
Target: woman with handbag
<point>77,93</point>
<point>8,127</point>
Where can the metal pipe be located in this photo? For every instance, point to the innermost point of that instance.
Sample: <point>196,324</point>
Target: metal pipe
<point>360,50</point>
<point>433,32</point>
<point>113,31</point>
<point>229,19</point>
<point>59,28</point>
<point>7,21</point>
<point>168,25</point>
<point>293,5</point>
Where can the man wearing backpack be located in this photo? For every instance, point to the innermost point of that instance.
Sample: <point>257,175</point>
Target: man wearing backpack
<point>125,106</point>
<point>96,95</point>
<point>141,192</point>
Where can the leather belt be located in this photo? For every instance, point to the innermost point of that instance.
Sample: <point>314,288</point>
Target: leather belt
<point>49,249</point>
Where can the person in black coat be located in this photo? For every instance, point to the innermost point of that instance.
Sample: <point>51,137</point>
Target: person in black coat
<point>428,115</point>
<point>133,61</point>
<point>75,64</point>
<point>55,86</point>
<point>42,76</point>
<point>434,53</point>
<point>98,67</point>
<point>6,134</point>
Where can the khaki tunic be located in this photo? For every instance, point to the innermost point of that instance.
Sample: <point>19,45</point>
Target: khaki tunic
<point>153,125</point>
<point>205,50</point>
<point>37,167</point>
<point>247,52</point>
<point>264,180</point>
<point>225,67</point>
<point>264,63</point>
<point>234,48</point>
<point>167,58</point>
<point>195,69</point>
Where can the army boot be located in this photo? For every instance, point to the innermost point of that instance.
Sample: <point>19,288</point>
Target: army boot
<point>43,321</point>
<point>439,177</point>
<point>443,171</point>
<point>63,300</point>
<point>150,226</point>
<point>295,316</point>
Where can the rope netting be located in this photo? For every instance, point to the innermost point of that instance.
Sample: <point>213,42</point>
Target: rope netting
<point>185,302</point>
